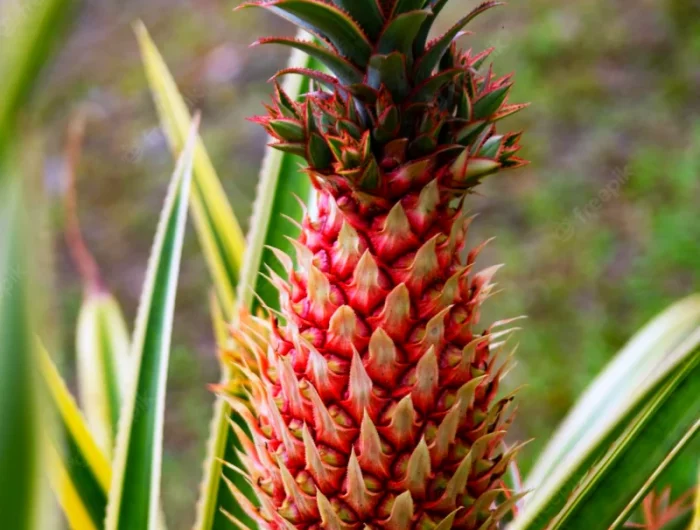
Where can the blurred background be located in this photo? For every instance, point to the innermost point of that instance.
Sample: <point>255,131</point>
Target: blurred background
<point>598,234</point>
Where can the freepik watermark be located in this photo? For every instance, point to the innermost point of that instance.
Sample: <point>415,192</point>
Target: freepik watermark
<point>582,215</point>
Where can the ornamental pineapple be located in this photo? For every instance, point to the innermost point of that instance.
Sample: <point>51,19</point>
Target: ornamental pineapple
<point>372,401</point>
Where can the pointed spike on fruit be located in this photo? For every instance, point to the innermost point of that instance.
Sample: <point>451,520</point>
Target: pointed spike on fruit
<point>418,470</point>
<point>248,445</point>
<point>458,483</point>
<point>503,333</point>
<point>302,205</point>
<point>470,349</point>
<point>342,329</point>
<point>280,427</point>
<point>509,456</point>
<point>396,235</point>
<point>234,520</point>
<point>425,390</point>
<point>284,258</point>
<point>459,229</point>
<point>326,428</point>
<point>426,265</point>
<point>318,368</point>
<point>243,470</point>
<point>401,513</point>
<point>359,387</point>
<point>314,462</point>
<point>506,321</point>
<point>458,169</point>
<point>467,393</point>
<point>479,167</point>
<point>446,433</point>
<point>447,522</point>
<point>319,288</point>
<point>483,505</point>
<point>435,328</point>
<point>285,102</point>
<point>481,446</point>
<point>451,290</point>
<point>258,514</point>
<point>303,502</point>
<point>395,317</point>
<point>370,448</point>
<point>347,250</point>
<point>428,201</point>
<point>304,255</point>
<point>356,493</point>
<point>296,224</point>
<point>290,386</point>
<point>474,253</point>
<point>365,289</point>
<point>396,223</point>
<point>276,281</point>
<point>507,506</point>
<point>329,518</point>
<point>279,284</point>
<point>382,357</point>
<point>403,423</point>
<point>484,277</point>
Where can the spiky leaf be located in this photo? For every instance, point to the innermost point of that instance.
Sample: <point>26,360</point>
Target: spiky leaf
<point>218,230</point>
<point>626,444</point>
<point>19,436</point>
<point>79,471</point>
<point>324,20</point>
<point>135,488</point>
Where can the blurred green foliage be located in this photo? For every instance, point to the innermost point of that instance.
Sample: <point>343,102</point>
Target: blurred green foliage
<point>600,233</point>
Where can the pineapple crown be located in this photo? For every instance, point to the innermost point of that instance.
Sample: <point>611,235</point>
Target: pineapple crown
<point>396,111</point>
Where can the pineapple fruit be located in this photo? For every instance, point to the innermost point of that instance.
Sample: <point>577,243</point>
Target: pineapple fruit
<point>372,397</point>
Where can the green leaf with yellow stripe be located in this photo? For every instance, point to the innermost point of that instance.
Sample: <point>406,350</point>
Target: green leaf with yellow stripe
<point>79,470</point>
<point>218,230</point>
<point>135,487</point>
<point>635,419</point>
<point>102,350</point>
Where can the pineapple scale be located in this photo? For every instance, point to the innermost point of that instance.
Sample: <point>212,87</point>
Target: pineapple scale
<point>374,403</point>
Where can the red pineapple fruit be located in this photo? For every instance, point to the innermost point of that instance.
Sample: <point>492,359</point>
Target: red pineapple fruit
<point>373,403</point>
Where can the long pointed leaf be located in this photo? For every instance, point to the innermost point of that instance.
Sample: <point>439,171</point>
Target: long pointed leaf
<point>135,488</point>
<point>26,38</point>
<point>627,473</point>
<point>438,48</point>
<point>27,35</point>
<point>625,433</point>
<point>280,182</point>
<point>102,350</point>
<point>19,451</point>
<point>368,14</point>
<point>79,471</point>
<point>613,388</point>
<point>218,230</point>
<point>326,21</point>
<point>695,525</point>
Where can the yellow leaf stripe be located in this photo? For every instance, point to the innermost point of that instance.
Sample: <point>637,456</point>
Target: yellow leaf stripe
<point>219,232</point>
<point>79,471</point>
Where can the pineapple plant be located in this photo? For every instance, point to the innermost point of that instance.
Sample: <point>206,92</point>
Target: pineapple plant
<point>374,403</point>
<point>371,395</point>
